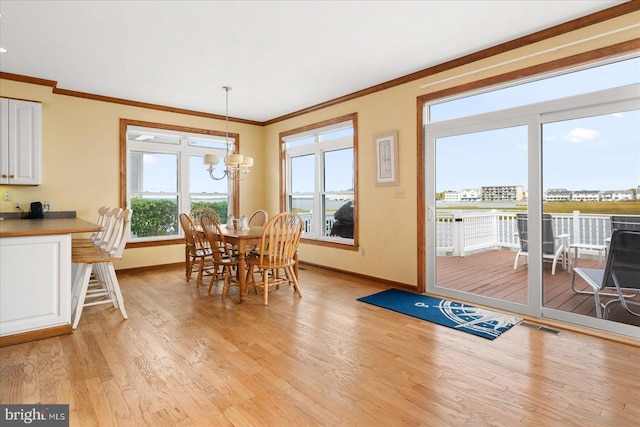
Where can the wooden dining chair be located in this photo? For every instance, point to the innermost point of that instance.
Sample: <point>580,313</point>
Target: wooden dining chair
<point>259,218</point>
<point>196,213</point>
<point>198,255</point>
<point>98,262</point>
<point>225,262</point>
<point>279,244</point>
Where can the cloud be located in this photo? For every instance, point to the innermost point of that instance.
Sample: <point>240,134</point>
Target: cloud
<point>150,159</point>
<point>581,134</point>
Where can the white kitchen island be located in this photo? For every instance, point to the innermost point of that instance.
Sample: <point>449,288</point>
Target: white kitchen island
<point>35,277</point>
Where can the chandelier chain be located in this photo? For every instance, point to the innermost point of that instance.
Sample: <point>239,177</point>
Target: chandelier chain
<point>236,165</point>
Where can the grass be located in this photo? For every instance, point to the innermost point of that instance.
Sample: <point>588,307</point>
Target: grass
<point>603,208</point>
<point>622,208</point>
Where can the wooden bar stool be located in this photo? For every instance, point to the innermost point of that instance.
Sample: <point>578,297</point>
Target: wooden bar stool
<point>103,215</point>
<point>85,259</point>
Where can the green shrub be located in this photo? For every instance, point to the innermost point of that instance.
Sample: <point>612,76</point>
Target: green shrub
<point>154,217</point>
<point>219,207</point>
<point>159,217</point>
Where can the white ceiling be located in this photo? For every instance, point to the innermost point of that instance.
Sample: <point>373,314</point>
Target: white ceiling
<point>279,56</point>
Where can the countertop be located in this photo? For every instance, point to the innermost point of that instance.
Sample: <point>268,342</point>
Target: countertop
<point>40,227</point>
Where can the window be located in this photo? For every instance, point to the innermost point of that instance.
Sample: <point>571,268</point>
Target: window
<point>467,118</point>
<point>542,88</point>
<point>165,175</point>
<point>320,175</point>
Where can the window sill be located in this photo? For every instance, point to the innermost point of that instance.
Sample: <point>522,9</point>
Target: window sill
<point>348,246</point>
<point>150,243</point>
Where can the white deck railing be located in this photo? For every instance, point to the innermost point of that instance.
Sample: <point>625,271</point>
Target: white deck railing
<point>461,232</point>
<point>306,221</point>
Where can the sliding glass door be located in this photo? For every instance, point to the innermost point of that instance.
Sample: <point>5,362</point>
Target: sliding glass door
<point>481,186</point>
<point>591,170</point>
<point>477,189</point>
<point>516,197</point>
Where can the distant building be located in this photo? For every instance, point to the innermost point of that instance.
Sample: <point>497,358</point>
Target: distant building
<point>616,195</point>
<point>515,193</point>
<point>470,195</point>
<point>451,196</point>
<point>586,196</point>
<point>557,195</point>
<point>502,193</point>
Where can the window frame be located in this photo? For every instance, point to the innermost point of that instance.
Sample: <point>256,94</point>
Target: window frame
<point>234,195</point>
<point>522,82</point>
<point>347,244</point>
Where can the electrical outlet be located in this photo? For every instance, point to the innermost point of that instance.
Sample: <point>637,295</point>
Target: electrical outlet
<point>47,205</point>
<point>6,196</point>
<point>18,205</point>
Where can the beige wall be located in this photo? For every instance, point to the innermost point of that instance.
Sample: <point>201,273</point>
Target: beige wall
<point>80,166</point>
<point>81,172</point>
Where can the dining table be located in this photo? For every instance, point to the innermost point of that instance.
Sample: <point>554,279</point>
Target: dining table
<point>242,239</point>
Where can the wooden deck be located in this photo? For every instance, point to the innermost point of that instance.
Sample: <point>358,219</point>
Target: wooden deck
<point>491,274</point>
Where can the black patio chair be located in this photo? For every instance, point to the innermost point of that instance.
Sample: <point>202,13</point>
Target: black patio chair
<point>620,275</point>
<point>625,223</point>
<point>554,247</point>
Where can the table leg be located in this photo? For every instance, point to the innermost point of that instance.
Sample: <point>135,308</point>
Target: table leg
<point>242,273</point>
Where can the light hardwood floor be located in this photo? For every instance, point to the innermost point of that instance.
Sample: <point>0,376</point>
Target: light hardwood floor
<point>187,358</point>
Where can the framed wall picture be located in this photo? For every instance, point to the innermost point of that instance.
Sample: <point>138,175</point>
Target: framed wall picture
<point>386,155</point>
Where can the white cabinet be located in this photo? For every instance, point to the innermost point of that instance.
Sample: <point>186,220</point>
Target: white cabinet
<point>20,142</point>
<point>35,283</point>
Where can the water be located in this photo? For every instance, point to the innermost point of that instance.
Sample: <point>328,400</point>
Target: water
<point>306,205</point>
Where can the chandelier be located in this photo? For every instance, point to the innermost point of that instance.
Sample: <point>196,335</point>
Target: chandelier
<point>236,165</point>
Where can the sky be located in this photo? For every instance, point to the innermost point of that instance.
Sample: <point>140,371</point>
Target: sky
<point>593,153</point>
